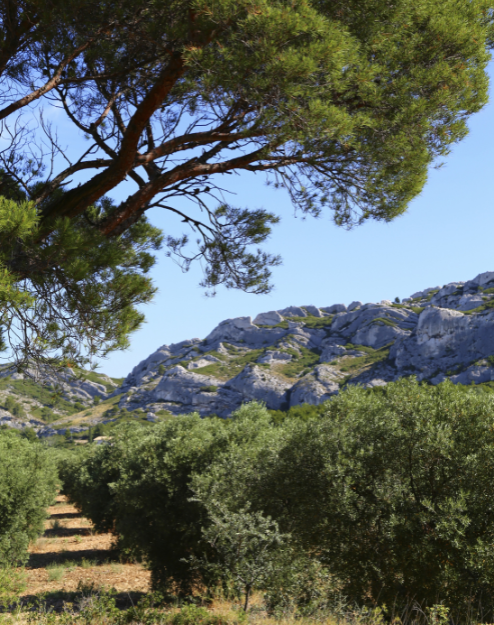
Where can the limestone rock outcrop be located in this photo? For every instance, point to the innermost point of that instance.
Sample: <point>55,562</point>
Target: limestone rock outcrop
<point>306,354</point>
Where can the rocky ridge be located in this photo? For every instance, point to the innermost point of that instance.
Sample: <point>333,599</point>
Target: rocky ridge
<point>25,403</point>
<point>284,358</point>
<point>307,354</point>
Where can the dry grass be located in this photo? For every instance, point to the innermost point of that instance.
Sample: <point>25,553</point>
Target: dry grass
<point>70,552</point>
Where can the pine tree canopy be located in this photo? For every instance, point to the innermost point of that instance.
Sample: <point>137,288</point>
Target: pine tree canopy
<point>343,103</point>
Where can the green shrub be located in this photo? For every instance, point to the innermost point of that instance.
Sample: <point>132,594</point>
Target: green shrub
<point>394,490</point>
<point>303,412</point>
<point>14,407</point>
<point>208,389</point>
<point>140,487</point>
<point>12,583</point>
<point>246,545</point>
<point>29,434</point>
<point>195,615</point>
<point>28,484</point>
<point>48,415</point>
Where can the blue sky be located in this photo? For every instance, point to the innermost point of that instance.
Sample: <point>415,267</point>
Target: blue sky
<point>446,235</point>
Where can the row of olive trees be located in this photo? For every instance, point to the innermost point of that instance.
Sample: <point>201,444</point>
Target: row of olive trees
<point>28,484</point>
<point>383,497</point>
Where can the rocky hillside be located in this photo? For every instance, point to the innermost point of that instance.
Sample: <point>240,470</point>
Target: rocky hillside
<point>45,406</point>
<point>307,354</point>
<point>283,358</point>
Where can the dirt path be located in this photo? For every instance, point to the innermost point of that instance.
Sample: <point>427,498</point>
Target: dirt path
<point>70,554</point>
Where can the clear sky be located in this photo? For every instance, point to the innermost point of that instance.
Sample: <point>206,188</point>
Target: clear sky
<point>446,235</point>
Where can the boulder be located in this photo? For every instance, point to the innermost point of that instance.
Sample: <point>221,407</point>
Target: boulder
<point>273,357</point>
<point>483,278</point>
<point>255,383</point>
<point>271,318</point>
<point>314,311</point>
<point>377,334</point>
<point>230,329</point>
<point>293,311</point>
<point>316,387</point>
<point>375,382</point>
<point>425,292</point>
<point>335,308</point>
<point>476,374</point>
<point>204,361</point>
<point>93,389</point>
<point>446,290</point>
<point>350,324</point>
<point>354,305</point>
<point>331,350</point>
<point>469,302</point>
<point>184,387</point>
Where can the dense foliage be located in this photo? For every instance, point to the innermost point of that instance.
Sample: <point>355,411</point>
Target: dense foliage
<point>392,490</point>
<point>28,483</point>
<point>70,294</point>
<point>345,104</point>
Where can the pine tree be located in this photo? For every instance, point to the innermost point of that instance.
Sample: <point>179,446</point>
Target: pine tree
<point>345,104</point>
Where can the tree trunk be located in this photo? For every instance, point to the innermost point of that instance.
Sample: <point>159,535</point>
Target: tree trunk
<point>247,595</point>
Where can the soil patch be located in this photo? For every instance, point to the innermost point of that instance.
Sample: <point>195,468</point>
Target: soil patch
<point>70,555</point>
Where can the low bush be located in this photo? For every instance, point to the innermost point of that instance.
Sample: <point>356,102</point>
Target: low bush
<point>208,389</point>
<point>394,491</point>
<point>28,483</point>
<point>141,487</point>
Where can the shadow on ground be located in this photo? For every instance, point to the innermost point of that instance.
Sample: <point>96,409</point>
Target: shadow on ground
<point>56,601</point>
<point>97,556</point>
<point>66,515</point>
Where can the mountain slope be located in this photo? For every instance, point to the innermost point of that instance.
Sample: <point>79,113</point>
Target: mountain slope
<point>284,358</point>
<point>307,354</point>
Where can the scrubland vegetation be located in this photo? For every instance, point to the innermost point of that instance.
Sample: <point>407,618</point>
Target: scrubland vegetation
<point>361,508</point>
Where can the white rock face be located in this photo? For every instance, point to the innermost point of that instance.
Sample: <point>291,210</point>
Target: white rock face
<point>445,332</point>
<point>439,325</point>
<point>203,362</point>
<point>484,278</point>
<point>293,311</point>
<point>271,318</point>
<point>331,350</point>
<point>334,309</point>
<point>316,387</point>
<point>273,357</point>
<point>377,334</point>
<point>182,386</point>
<point>254,383</point>
<point>469,302</point>
<point>230,329</point>
<point>314,311</point>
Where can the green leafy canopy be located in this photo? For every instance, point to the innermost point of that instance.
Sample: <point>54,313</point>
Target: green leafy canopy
<point>344,103</point>
<point>71,294</point>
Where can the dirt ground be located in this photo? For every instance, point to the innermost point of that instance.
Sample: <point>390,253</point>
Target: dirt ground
<point>70,553</point>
